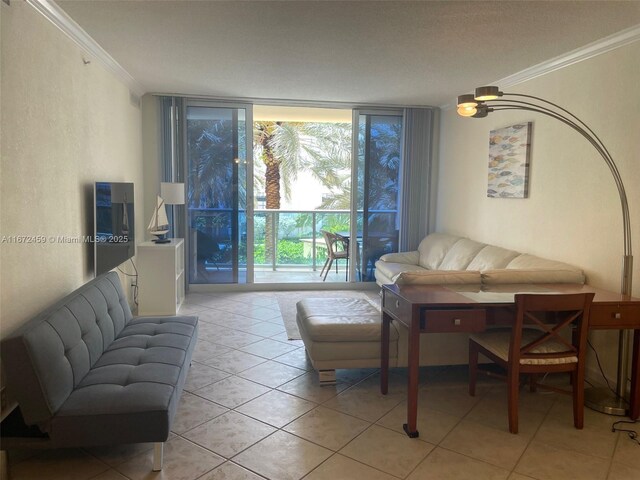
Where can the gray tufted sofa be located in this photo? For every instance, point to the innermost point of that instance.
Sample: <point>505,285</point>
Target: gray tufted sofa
<point>87,373</point>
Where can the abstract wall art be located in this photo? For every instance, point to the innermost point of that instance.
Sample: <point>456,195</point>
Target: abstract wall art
<point>509,150</point>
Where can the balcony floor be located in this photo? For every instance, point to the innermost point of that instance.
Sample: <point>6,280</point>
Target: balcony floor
<point>297,275</point>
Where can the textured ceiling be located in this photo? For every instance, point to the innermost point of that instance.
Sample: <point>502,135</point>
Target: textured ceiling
<point>414,53</point>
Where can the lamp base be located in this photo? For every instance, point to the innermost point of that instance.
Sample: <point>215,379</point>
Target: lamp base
<point>604,401</point>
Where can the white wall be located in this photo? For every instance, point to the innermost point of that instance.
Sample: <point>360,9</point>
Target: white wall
<point>64,126</point>
<point>573,211</point>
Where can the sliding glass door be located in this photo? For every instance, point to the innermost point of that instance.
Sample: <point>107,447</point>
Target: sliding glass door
<point>217,164</point>
<point>376,194</point>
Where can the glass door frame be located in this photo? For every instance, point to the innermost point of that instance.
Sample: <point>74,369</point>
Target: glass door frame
<point>354,248</point>
<point>248,108</point>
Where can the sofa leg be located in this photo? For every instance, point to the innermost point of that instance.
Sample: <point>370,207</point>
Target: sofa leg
<point>327,377</point>
<point>158,453</point>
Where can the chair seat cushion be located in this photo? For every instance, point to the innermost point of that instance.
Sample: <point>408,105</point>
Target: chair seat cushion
<point>498,343</point>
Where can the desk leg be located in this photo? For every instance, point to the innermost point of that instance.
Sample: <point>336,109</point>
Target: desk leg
<point>634,400</point>
<point>414,359</point>
<point>384,354</point>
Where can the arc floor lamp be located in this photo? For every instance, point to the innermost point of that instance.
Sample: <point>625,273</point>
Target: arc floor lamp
<point>490,99</point>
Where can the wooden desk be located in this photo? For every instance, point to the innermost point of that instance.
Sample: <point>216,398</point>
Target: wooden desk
<point>469,308</point>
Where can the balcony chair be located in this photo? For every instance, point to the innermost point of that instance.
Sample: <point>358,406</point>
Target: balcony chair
<point>542,349</point>
<point>337,248</point>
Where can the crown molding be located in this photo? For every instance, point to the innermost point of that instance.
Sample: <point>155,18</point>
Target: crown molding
<point>604,45</point>
<point>52,12</point>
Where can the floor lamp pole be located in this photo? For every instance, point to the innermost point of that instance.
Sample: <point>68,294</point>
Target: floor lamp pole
<point>486,100</point>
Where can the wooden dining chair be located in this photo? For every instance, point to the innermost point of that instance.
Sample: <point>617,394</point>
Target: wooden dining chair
<point>555,343</point>
<point>337,248</point>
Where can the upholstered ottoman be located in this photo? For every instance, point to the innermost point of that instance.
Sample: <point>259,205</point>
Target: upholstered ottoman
<point>342,333</point>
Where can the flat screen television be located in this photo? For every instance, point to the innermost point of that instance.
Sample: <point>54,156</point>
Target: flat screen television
<point>113,234</point>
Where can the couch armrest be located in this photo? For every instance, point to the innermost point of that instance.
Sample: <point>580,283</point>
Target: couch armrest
<point>408,258</point>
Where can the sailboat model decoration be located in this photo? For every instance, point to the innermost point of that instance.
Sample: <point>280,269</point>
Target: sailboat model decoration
<point>159,224</point>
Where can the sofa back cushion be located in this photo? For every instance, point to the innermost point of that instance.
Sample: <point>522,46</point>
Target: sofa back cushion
<point>460,254</point>
<point>492,258</point>
<point>433,249</point>
<point>47,357</point>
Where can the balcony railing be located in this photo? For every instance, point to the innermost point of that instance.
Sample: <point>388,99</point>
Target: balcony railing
<point>289,239</point>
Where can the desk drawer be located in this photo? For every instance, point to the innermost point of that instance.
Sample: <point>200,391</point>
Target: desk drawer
<point>397,307</point>
<point>614,316</point>
<point>451,321</point>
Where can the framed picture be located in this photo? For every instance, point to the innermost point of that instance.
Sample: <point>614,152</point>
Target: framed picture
<point>509,149</point>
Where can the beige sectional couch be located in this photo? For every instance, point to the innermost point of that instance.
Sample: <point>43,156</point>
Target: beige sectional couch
<point>340,335</point>
<point>443,259</point>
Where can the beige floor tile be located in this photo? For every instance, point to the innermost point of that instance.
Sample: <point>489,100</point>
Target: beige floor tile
<point>591,440</point>
<point>110,475</point>
<point>284,338</point>
<point>307,386</point>
<point>494,412</point>
<point>191,309</point>
<point>365,404</point>
<point>386,450</point>
<point>627,450</point>
<point>453,400</point>
<point>541,401</point>
<point>259,299</point>
<point>283,456</point>
<point>362,376</point>
<point>220,318</point>
<point>207,350</point>
<point>232,392</point>
<point>484,443</point>
<point>545,462</point>
<point>201,375</point>
<point>235,361</point>
<point>60,464</point>
<point>444,464</point>
<point>328,428</point>
<point>116,454</point>
<point>230,471</point>
<point>432,425</point>
<point>268,348</point>
<point>276,408</point>
<point>563,409</point>
<point>264,329</point>
<point>296,358</point>
<point>255,312</point>
<point>230,337</point>
<point>619,471</point>
<point>339,467</point>
<point>229,434</point>
<point>183,460</point>
<point>194,411</point>
<point>272,374</point>
<point>277,320</point>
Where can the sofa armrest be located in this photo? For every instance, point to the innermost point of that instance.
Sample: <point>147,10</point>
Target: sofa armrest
<point>408,258</point>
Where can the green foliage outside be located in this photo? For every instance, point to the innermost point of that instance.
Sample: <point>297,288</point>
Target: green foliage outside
<point>290,252</point>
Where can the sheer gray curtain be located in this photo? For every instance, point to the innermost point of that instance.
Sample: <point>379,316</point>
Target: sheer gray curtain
<point>418,190</point>
<point>172,165</point>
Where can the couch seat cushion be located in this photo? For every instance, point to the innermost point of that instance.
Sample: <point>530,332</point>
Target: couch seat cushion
<point>439,277</point>
<point>137,381</point>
